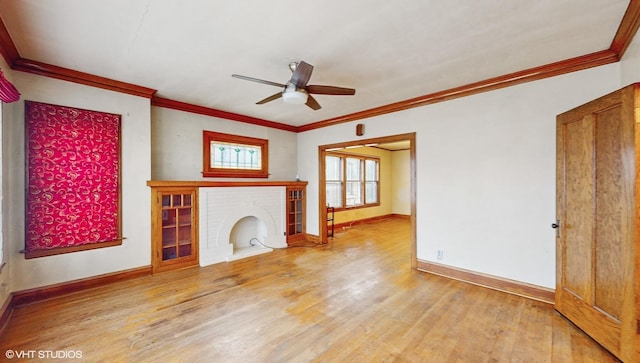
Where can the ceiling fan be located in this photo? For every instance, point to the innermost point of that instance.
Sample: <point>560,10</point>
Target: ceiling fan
<point>296,90</point>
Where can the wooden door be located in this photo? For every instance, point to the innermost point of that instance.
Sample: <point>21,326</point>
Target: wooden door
<point>596,209</point>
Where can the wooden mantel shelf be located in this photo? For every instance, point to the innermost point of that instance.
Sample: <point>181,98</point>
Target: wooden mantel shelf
<point>205,183</point>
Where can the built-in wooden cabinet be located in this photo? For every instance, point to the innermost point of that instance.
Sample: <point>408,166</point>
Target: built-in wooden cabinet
<point>296,221</point>
<point>174,228</point>
<point>174,218</point>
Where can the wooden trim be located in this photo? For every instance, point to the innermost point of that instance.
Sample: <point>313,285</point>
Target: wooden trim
<point>362,179</point>
<point>363,221</point>
<point>627,29</point>
<point>623,37</point>
<point>528,75</point>
<point>314,238</point>
<point>296,194</point>
<point>179,262</point>
<point>196,183</point>
<point>523,289</point>
<point>322,202</point>
<point>62,250</point>
<point>47,292</point>
<point>66,74</point>
<point>400,216</point>
<point>322,195</point>
<point>413,166</point>
<point>208,171</point>
<point>231,173</point>
<point>360,206</point>
<point>6,311</point>
<point>7,46</point>
<point>511,79</point>
<point>207,111</point>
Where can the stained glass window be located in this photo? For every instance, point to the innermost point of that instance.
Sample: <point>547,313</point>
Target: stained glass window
<point>228,155</point>
<point>235,156</point>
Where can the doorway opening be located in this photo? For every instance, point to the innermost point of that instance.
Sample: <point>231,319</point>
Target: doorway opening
<point>407,140</point>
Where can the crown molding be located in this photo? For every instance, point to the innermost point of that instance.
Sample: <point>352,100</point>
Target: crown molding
<point>7,47</point>
<point>207,111</point>
<point>627,29</point>
<point>11,55</point>
<point>511,79</point>
<point>623,37</point>
<point>66,74</point>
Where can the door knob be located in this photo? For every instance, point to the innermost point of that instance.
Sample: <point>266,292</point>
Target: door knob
<point>556,226</point>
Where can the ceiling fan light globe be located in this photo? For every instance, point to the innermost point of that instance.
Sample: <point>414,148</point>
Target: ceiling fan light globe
<point>296,97</point>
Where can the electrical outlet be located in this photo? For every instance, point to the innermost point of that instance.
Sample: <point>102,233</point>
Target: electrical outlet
<point>440,254</point>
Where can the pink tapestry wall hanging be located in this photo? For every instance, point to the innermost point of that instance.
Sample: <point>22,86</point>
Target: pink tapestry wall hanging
<point>72,196</point>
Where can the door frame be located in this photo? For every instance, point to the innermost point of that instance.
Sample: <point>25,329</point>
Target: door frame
<point>322,151</point>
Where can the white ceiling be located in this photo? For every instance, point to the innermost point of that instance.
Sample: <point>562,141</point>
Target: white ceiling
<point>388,51</point>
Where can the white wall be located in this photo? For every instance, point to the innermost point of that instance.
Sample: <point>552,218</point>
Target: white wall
<point>485,172</point>
<point>401,182</point>
<point>135,250</point>
<point>630,63</point>
<point>177,145</point>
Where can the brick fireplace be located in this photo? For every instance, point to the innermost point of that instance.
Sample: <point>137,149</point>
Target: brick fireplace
<point>232,218</point>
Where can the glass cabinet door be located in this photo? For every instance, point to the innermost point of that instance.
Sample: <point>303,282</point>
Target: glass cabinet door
<point>176,226</point>
<point>295,215</point>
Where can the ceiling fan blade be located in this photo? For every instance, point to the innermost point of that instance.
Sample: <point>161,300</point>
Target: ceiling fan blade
<point>258,80</point>
<point>311,102</point>
<point>330,90</point>
<point>302,74</point>
<point>270,98</point>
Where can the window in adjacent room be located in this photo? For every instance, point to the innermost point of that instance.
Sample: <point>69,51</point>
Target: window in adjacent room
<point>227,156</point>
<point>352,180</point>
<point>333,177</point>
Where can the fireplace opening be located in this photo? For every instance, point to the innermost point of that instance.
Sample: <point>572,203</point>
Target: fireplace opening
<point>243,236</point>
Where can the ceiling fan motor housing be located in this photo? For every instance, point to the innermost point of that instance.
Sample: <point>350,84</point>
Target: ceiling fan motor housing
<point>294,95</point>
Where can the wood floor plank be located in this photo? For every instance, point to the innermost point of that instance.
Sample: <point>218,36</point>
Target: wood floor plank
<point>353,300</point>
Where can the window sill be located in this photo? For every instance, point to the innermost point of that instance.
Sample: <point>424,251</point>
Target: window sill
<point>234,174</point>
<point>61,250</point>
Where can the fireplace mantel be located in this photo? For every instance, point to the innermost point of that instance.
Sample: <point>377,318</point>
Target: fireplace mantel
<point>206,183</point>
<point>235,219</point>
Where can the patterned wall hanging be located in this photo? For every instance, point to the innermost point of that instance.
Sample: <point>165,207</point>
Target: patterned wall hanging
<point>72,179</point>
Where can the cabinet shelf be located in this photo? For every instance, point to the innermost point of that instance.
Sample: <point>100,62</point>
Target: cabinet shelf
<point>169,226</point>
<point>180,243</point>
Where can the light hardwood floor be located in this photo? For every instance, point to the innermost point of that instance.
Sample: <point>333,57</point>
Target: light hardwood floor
<point>353,300</point>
